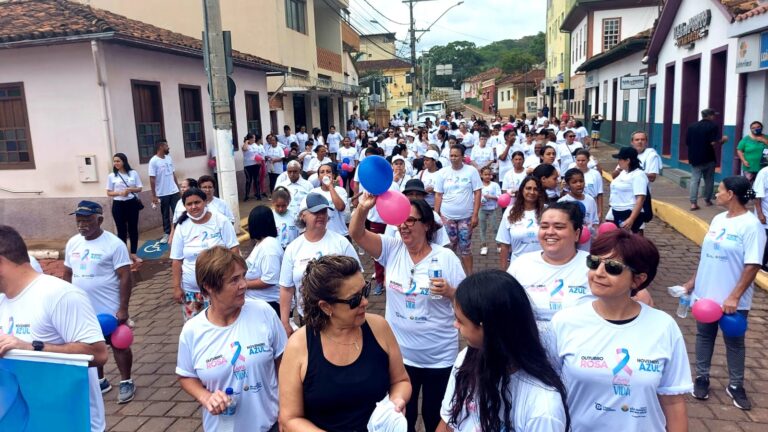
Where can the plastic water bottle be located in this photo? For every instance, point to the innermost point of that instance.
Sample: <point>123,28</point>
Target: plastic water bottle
<point>227,418</point>
<point>683,305</point>
<point>435,272</point>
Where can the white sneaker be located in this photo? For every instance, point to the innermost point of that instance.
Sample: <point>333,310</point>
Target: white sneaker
<point>164,240</point>
<point>483,251</point>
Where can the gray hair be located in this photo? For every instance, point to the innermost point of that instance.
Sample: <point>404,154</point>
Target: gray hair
<point>294,163</point>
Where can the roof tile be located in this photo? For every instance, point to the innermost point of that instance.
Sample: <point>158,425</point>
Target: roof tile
<point>371,65</point>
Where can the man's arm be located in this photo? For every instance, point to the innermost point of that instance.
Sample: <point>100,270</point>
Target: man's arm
<point>152,186</point>
<point>97,349</point>
<point>126,286</point>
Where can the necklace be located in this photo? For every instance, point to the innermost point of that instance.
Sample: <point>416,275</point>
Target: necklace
<point>353,343</point>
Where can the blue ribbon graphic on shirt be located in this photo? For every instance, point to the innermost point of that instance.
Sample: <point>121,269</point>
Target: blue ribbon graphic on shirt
<point>560,283</point>
<point>10,325</point>
<point>623,355</point>
<point>720,236</point>
<point>238,349</point>
<point>530,223</point>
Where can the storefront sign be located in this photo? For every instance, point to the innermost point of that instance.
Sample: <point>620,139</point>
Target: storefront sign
<point>634,82</point>
<point>591,80</point>
<point>696,28</point>
<point>748,51</point>
<point>764,50</point>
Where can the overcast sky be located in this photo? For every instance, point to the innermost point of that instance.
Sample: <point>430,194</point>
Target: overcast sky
<point>478,21</point>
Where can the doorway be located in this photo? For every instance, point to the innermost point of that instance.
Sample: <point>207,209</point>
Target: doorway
<point>614,103</point>
<point>324,124</point>
<point>689,105</point>
<point>299,111</point>
<point>717,80</point>
<point>651,114</point>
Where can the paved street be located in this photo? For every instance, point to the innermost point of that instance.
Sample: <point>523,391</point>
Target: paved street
<point>161,405</point>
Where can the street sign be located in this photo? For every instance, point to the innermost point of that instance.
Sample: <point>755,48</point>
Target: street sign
<point>634,82</point>
<point>446,69</point>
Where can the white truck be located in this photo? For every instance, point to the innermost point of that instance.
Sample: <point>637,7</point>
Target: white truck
<point>435,110</point>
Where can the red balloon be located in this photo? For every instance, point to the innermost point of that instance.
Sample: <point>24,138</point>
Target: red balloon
<point>393,207</point>
<point>606,227</point>
<point>122,337</point>
<point>346,167</point>
<point>258,158</point>
<point>585,236</point>
<point>504,200</point>
<point>467,160</point>
<point>212,163</point>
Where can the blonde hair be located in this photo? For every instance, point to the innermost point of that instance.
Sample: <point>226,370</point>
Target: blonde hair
<point>212,267</point>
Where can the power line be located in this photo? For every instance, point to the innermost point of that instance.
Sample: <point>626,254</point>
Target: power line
<point>385,17</point>
<point>372,19</point>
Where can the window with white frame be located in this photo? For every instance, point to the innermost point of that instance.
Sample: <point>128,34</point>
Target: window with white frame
<point>611,32</point>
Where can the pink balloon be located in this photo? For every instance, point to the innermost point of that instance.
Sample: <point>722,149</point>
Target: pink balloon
<point>585,235</point>
<point>393,207</point>
<point>341,181</point>
<point>504,200</point>
<point>287,152</point>
<point>122,337</point>
<point>211,163</point>
<point>606,227</point>
<point>706,311</point>
<point>346,167</point>
<point>258,158</point>
<point>467,160</point>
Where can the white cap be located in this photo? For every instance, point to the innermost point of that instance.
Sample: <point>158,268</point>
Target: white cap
<point>432,155</point>
<point>397,158</point>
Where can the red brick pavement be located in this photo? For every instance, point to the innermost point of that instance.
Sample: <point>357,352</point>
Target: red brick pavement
<point>161,405</point>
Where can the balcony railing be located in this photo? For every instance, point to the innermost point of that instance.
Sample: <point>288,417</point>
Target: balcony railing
<point>298,83</point>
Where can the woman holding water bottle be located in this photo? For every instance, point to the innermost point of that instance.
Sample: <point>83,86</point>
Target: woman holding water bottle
<point>419,307</point>
<point>229,355</point>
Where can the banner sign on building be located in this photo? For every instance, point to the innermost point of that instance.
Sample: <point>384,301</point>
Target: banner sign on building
<point>591,80</point>
<point>764,50</point>
<point>27,406</point>
<point>748,52</point>
<point>630,82</point>
<point>696,28</point>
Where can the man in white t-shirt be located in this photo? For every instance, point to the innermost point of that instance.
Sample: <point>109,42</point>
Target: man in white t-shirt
<point>165,187</point>
<point>302,136</point>
<point>45,313</point>
<point>287,138</point>
<point>97,262</point>
<point>297,186</point>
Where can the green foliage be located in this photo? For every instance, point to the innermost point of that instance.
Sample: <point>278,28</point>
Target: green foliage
<point>511,55</point>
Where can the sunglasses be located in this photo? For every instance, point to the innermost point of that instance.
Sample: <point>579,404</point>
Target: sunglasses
<point>354,301</point>
<point>411,221</point>
<point>612,267</point>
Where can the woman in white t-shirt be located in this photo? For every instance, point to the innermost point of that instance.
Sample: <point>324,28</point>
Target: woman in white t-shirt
<point>263,271</point>
<point>510,183</point>
<point>285,220</point>
<point>198,229</point>
<point>253,149</point>
<point>274,155</point>
<point>348,153</point>
<point>624,363</point>
<point>483,155</point>
<point>731,255</point>
<point>236,344</point>
<point>321,158</point>
<point>336,195</point>
<point>419,308</point>
<point>628,191</point>
<point>123,185</point>
<point>457,201</point>
<point>429,174</point>
<point>519,225</point>
<point>316,241</point>
<point>488,304</point>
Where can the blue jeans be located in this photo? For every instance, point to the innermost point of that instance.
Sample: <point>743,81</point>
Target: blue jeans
<point>707,171</point>
<point>735,352</point>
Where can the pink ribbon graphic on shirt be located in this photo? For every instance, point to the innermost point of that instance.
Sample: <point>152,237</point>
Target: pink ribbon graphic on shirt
<point>559,284</point>
<point>622,355</point>
<point>237,355</point>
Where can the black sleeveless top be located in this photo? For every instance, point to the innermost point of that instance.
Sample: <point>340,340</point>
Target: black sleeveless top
<point>342,398</point>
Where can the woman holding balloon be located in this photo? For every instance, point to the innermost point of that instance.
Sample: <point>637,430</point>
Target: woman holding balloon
<point>731,255</point>
<point>419,305</point>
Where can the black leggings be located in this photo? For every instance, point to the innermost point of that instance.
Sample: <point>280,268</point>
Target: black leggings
<point>272,180</point>
<point>619,216</point>
<point>252,178</point>
<point>431,383</point>
<point>126,215</point>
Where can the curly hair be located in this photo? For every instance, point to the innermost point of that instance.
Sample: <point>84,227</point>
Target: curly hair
<point>321,282</point>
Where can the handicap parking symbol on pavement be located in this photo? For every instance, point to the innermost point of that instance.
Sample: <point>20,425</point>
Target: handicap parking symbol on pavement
<point>152,249</point>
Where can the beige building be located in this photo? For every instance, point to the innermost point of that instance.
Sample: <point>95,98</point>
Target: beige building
<point>310,37</point>
<point>379,46</point>
<point>391,80</point>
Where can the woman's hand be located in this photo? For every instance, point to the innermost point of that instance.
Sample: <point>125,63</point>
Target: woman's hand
<point>399,404</point>
<point>288,328</point>
<point>178,295</point>
<point>217,402</point>
<point>441,287</point>
<point>627,224</point>
<point>366,201</point>
<point>761,218</point>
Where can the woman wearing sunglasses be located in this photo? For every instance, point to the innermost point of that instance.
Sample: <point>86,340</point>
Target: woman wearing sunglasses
<point>419,308</point>
<point>236,343</point>
<point>344,360</point>
<point>624,363</point>
<point>488,305</point>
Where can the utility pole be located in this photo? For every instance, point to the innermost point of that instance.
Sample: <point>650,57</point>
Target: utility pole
<point>414,74</point>
<point>219,95</point>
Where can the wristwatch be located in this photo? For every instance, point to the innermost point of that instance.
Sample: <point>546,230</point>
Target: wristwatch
<point>37,345</point>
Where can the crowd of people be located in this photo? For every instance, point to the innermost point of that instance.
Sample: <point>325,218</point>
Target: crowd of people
<point>562,336</point>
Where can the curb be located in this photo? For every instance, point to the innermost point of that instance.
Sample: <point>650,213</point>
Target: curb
<point>690,226</point>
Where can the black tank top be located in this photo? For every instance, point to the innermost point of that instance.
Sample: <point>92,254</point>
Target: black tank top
<point>342,398</point>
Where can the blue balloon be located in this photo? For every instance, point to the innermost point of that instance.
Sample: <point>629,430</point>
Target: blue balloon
<point>108,323</point>
<point>345,160</point>
<point>582,207</point>
<point>733,325</point>
<point>344,174</point>
<point>375,174</point>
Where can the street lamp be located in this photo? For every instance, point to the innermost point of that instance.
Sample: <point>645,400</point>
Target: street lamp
<point>438,19</point>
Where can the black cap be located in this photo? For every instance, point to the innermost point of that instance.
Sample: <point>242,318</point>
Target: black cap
<point>87,208</point>
<point>414,185</point>
<point>626,153</point>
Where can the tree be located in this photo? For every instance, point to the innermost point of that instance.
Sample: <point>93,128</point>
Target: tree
<point>517,61</point>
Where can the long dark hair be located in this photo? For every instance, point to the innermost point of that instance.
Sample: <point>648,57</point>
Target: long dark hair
<point>518,208</point>
<point>495,300</point>
<point>261,223</point>
<point>191,191</point>
<point>126,165</point>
